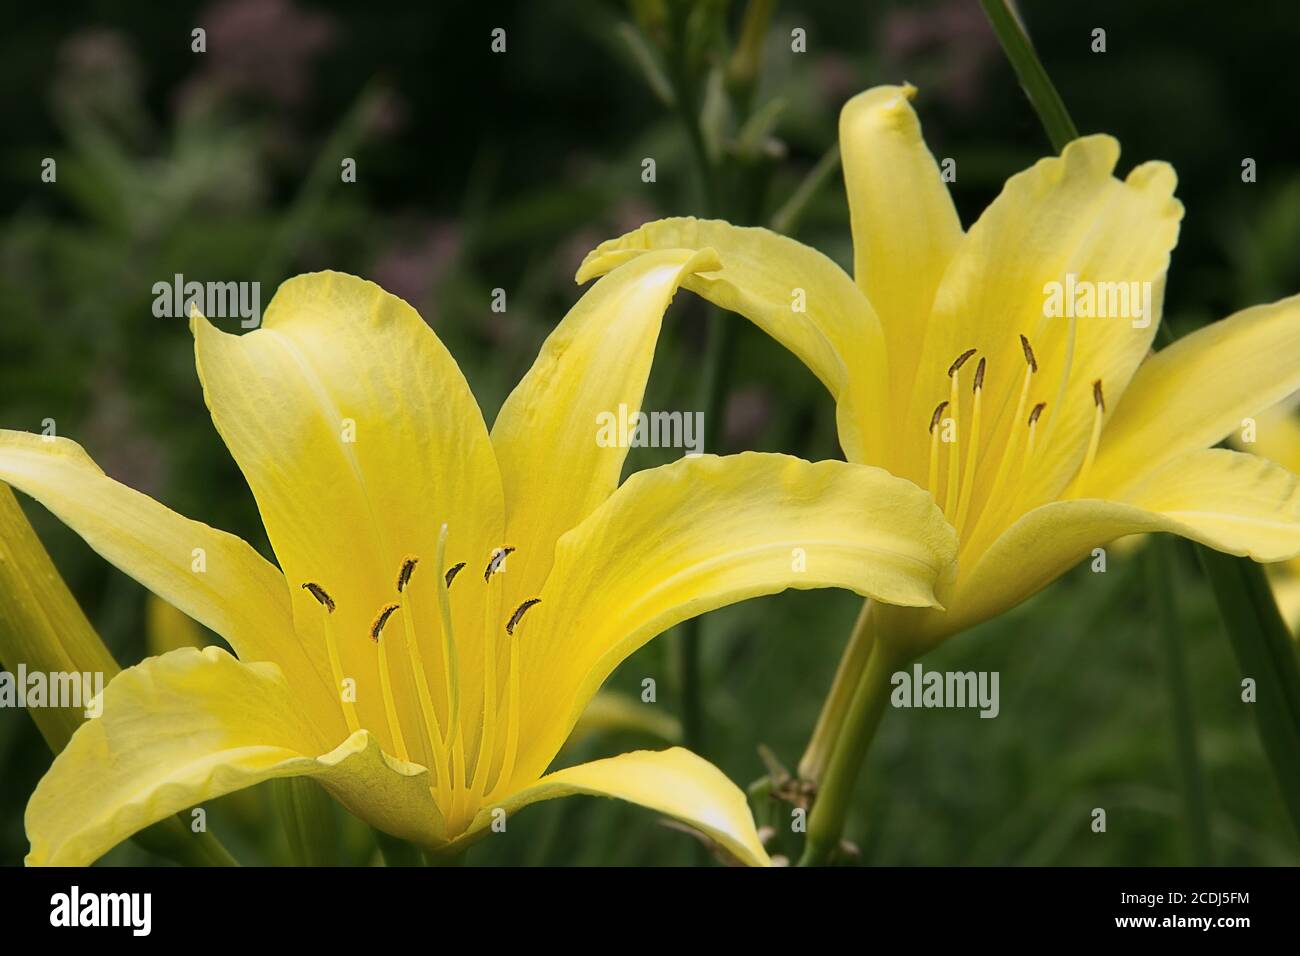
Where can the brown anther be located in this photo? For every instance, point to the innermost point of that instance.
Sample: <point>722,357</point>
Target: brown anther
<point>1029,354</point>
<point>377,628</point>
<point>404,575</point>
<point>1038,410</point>
<point>519,613</point>
<point>318,592</point>
<point>1097,395</point>
<point>452,572</point>
<point>938,413</point>
<point>979,376</point>
<point>960,361</point>
<point>494,563</point>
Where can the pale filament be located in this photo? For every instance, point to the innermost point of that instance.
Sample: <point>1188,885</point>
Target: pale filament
<point>972,456</point>
<point>331,645</point>
<point>386,682</point>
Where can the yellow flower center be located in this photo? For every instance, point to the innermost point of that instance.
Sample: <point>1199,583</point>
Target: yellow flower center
<point>458,792</point>
<point>975,516</point>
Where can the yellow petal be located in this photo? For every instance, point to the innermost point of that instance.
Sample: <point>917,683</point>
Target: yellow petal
<point>1198,390</point>
<point>1066,216</point>
<point>673,782</point>
<point>167,629</point>
<point>795,294</point>
<point>359,438</point>
<point>41,624</point>
<point>554,467</point>
<point>191,726</point>
<point>677,541</point>
<point>905,228</point>
<point>214,577</point>
<point>1276,436</point>
<point>1286,590</point>
<point>1233,502</point>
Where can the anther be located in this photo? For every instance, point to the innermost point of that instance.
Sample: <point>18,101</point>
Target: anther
<point>938,414</point>
<point>452,572</point>
<point>404,575</point>
<point>1029,353</point>
<point>519,613</point>
<point>494,563</point>
<point>318,592</point>
<point>1097,395</point>
<point>377,628</point>
<point>1038,410</point>
<point>960,361</point>
<point>979,376</point>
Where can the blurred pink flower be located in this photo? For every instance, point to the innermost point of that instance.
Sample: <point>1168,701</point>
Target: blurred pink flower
<point>951,39</point>
<point>413,266</point>
<point>747,414</point>
<point>260,48</point>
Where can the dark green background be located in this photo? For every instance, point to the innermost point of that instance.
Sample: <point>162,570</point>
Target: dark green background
<point>478,171</point>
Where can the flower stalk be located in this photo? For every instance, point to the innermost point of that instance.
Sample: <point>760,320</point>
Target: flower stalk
<point>867,706</point>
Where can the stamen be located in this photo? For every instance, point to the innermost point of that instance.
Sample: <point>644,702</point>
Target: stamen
<point>934,419</point>
<point>519,613</point>
<point>453,571</point>
<point>1033,432</point>
<point>404,575</point>
<point>1099,413</point>
<point>432,729</point>
<point>954,458</point>
<point>318,592</point>
<point>494,563</point>
<point>332,647</point>
<point>512,728</point>
<point>992,501</point>
<point>377,628</point>
<point>1029,353</point>
<point>452,668</point>
<point>385,681</point>
<point>934,448</point>
<point>968,479</point>
<point>961,360</point>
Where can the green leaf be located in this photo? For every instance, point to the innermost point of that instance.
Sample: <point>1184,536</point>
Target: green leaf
<point>1262,644</point>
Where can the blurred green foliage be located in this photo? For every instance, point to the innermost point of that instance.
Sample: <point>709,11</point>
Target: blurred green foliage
<point>478,172</point>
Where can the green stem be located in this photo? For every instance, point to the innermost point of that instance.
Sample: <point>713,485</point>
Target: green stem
<point>1033,77</point>
<point>786,219</point>
<point>717,377</point>
<point>175,840</point>
<point>307,814</point>
<point>831,809</point>
<point>1161,568</point>
<point>396,851</point>
<point>812,766</point>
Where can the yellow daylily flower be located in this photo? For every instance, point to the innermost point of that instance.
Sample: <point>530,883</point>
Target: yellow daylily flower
<point>447,600</point>
<point>967,363</point>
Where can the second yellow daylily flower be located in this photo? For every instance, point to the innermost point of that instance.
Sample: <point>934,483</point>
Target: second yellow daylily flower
<point>447,601</point>
<point>993,367</point>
